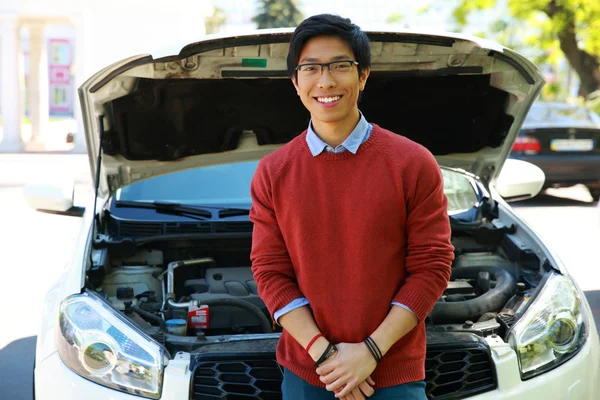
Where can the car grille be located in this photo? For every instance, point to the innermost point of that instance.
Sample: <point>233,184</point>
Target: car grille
<point>450,374</point>
<point>458,373</point>
<point>238,380</point>
<point>145,229</point>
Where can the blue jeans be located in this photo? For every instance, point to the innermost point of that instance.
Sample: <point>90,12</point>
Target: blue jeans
<point>296,388</point>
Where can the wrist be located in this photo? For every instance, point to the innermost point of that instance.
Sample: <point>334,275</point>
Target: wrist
<point>318,347</point>
<point>373,349</point>
<point>381,343</point>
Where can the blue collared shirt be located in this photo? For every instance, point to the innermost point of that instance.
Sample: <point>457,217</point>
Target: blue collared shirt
<point>359,135</point>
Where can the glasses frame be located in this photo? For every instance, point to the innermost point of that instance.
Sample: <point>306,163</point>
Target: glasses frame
<point>323,65</point>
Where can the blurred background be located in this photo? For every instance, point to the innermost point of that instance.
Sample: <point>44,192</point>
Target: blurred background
<point>49,48</point>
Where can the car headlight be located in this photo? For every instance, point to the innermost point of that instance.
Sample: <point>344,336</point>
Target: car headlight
<point>96,343</point>
<point>552,330</point>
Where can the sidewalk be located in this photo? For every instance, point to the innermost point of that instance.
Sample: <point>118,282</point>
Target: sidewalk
<point>54,140</point>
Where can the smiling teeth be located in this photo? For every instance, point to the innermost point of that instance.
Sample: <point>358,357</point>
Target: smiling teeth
<point>328,99</point>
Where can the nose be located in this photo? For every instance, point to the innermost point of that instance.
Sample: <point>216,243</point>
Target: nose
<point>326,78</point>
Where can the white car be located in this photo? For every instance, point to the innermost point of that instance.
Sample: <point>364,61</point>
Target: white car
<point>159,300</point>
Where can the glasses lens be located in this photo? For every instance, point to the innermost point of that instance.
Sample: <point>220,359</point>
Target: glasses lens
<point>309,69</point>
<point>340,67</point>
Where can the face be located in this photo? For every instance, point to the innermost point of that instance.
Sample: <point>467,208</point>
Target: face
<point>317,91</point>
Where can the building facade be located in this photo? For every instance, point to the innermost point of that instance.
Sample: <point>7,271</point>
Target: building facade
<point>48,49</point>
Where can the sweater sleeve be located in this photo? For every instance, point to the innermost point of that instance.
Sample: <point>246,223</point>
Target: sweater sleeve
<point>271,264</point>
<point>429,252</point>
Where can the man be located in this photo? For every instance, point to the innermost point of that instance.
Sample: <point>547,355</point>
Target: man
<point>351,243</point>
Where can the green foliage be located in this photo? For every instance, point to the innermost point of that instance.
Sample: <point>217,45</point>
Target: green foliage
<point>394,18</point>
<point>215,21</point>
<point>423,9</point>
<point>278,14</point>
<point>536,27</point>
<point>466,7</point>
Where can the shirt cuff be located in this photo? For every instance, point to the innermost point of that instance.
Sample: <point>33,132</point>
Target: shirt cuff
<point>292,305</point>
<point>402,305</point>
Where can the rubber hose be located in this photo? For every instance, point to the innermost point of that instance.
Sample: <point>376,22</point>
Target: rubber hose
<point>149,316</point>
<point>492,301</point>
<point>233,302</point>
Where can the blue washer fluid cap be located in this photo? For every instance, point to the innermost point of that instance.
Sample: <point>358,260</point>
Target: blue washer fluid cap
<point>176,322</point>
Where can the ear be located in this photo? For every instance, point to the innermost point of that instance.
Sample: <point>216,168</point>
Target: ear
<point>362,79</point>
<point>296,85</point>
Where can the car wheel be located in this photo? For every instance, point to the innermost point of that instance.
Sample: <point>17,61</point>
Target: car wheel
<point>595,192</point>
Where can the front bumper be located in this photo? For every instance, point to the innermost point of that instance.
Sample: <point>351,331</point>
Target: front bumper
<point>55,381</point>
<point>577,379</point>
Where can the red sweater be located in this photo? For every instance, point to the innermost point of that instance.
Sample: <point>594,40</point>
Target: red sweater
<point>352,233</point>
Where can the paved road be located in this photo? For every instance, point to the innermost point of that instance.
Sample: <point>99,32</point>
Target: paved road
<point>35,247</point>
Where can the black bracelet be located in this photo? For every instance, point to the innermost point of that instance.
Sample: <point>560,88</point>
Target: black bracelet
<point>329,351</point>
<point>371,350</point>
<point>374,349</point>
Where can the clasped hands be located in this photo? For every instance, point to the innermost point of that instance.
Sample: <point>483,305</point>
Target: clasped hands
<point>348,372</point>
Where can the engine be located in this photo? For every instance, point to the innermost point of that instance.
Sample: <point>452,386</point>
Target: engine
<point>211,298</point>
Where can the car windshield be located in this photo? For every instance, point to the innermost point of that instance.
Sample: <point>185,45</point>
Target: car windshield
<point>229,185</point>
<point>561,114</point>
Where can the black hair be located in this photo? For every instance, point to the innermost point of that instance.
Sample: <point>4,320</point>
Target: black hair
<point>329,25</point>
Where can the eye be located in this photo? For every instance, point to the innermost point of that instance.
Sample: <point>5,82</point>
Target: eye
<point>309,68</point>
<point>341,66</point>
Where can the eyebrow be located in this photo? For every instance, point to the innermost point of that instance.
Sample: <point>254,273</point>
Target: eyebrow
<point>342,57</point>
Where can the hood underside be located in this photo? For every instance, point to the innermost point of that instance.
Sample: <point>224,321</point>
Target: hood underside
<point>230,99</point>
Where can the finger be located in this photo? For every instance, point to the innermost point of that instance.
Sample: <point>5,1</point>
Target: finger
<point>370,381</point>
<point>358,395</point>
<point>349,397</point>
<point>326,367</point>
<point>331,377</point>
<point>366,389</point>
<point>338,385</point>
<point>346,391</point>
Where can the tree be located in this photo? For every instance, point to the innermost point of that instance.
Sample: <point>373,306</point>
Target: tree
<point>567,27</point>
<point>394,18</point>
<point>278,14</point>
<point>215,21</point>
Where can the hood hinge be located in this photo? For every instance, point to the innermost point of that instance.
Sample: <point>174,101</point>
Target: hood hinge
<point>113,182</point>
<point>95,219</point>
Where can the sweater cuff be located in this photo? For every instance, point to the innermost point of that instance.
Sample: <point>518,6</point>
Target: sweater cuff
<point>296,303</point>
<point>282,298</point>
<point>415,301</point>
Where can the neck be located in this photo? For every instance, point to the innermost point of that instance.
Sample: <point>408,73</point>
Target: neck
<point>334,133</point>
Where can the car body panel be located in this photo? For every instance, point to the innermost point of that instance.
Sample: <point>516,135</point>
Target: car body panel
<point>133,153</point>
<point>577,378</point>
<point>71,281</point>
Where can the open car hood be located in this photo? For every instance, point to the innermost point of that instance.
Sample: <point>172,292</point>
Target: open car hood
<point>228,99</point>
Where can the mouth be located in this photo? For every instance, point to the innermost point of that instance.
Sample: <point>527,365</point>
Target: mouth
<point>328,100</point>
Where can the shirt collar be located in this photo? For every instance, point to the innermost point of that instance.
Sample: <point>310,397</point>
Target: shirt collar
<point>352,142</point>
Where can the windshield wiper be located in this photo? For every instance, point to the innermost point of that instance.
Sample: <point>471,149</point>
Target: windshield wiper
<point>167,208</point>
<point>233,212</point>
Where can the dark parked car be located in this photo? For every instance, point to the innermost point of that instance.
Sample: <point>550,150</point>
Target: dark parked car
<point>562,140</point>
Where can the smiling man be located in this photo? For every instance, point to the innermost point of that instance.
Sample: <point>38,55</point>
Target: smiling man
<point>351,242</point>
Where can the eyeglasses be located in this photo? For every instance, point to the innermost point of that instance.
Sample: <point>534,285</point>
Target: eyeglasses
<point>338,68</point>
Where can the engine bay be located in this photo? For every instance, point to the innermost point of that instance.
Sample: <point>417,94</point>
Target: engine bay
<point>200,288</point>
